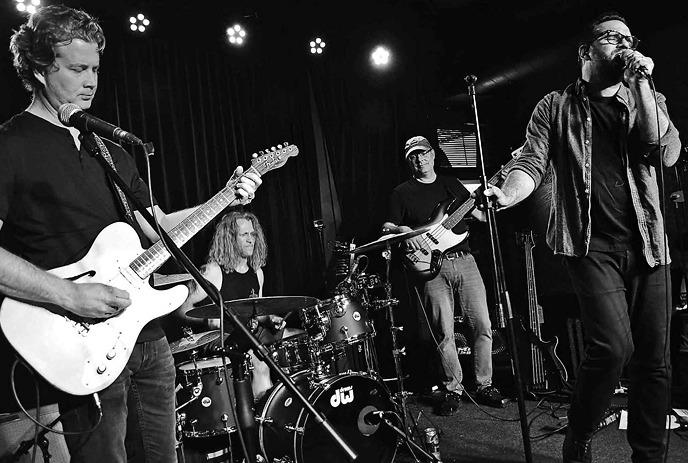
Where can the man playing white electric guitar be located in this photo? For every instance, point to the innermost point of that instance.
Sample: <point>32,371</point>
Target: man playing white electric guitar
<point>54,200</point>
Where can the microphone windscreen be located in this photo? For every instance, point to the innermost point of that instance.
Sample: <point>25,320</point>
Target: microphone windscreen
<point>66,111</point>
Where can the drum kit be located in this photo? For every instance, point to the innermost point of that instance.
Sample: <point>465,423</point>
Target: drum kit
<point>333,363</point>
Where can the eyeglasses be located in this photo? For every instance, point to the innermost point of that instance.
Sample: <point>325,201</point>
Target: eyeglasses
<point>616,38</point>
<point>417,154</point>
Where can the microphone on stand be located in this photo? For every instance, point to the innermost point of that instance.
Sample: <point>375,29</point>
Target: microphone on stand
<point>354,269</point>
<point>72,115</point>
<point>375,417</point>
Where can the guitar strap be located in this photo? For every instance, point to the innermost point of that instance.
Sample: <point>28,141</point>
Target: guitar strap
<point>120,194</point>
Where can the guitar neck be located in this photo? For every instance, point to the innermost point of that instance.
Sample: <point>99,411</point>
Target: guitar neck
<point>150,260</point>
<point>456,216</point>
<point>533,312</point>
<point>538,376</point>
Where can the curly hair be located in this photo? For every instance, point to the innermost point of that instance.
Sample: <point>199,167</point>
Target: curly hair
<point>223,248</point>
<point>33,45</point>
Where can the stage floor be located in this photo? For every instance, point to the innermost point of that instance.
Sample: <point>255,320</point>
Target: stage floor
<point>491,435</point>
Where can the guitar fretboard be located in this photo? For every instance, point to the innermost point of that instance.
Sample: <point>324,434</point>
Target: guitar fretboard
<point>150,260</point>
<point>456,216</point>
<point>156,255</point>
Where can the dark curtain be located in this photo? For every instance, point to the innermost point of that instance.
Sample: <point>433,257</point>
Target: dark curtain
<point>205,117</point>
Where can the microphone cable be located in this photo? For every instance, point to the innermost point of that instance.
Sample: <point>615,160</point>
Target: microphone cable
<point>48,428</point>
<point>668,308</point>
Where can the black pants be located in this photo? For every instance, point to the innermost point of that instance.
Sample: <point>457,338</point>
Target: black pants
<point>625,311</point>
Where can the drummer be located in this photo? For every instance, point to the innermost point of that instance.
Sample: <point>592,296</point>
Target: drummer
<point>237,254</point>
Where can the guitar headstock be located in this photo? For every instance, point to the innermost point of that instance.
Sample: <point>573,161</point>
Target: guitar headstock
<point>273,157</point>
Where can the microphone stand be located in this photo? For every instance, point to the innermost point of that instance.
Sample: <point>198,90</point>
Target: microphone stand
<point>409,441</point>
<point>505,315</point>
<point>261,352</point>
<point>26,445</point>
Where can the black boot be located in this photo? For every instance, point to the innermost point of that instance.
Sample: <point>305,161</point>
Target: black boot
<point>576,450</point>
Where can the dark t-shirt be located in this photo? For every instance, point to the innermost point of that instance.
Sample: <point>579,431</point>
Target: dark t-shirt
<point>54,199</point>
<point>613,223</point>
<point>412,203</point>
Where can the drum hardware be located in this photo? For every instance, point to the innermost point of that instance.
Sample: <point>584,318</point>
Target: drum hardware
<point>191,341</point>
<point>389,303</point>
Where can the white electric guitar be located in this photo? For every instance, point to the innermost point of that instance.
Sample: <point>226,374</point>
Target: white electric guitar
<point>82,356</point>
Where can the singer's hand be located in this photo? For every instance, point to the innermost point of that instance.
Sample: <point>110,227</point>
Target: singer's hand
<point>637,66</point>
<point>677,196</point>
<point>497,196</point>
<point>247,185</point>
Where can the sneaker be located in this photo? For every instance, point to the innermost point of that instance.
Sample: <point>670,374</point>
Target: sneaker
<point>576,451</point>
<point>449,404</point>
<point>491,397</point>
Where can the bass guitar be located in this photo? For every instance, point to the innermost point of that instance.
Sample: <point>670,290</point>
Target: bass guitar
<point>547,371</point>
<point>425,263</point>
<point>82,356</point>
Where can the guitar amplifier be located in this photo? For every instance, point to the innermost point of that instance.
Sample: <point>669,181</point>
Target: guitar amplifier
<point>16,428</point>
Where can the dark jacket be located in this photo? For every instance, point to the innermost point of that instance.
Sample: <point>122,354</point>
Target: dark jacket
<point>560,132</point>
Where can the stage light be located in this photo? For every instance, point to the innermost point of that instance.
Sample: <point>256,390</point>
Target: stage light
<point>381,56</point>
<point>28,6</point>
<point>138,23</point>
<point>236,35</point>
<point>317,45</point>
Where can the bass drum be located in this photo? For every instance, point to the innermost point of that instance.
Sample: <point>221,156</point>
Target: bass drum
<point>288,433</point>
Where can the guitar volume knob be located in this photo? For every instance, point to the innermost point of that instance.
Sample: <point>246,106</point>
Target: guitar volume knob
<point>110,355</point>
<point>101,369</point>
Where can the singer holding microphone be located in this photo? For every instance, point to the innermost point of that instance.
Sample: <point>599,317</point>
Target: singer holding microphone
<point>54,200</point>
<point>605,137</point>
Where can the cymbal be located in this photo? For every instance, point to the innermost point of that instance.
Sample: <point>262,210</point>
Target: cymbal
<point>390,239</point>
<point>194,341</point>
<point>245,308</point>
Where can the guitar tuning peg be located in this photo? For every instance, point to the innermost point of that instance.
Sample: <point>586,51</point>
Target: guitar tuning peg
<point>286,143</point>
<point>279,147</point>
<point>272,148</point>
<point>254,155</point>
<point>261,152</point>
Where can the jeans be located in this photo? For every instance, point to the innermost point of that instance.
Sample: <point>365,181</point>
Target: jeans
<point>625,312</point>
<point>138,423</point>
<point>460,277</point>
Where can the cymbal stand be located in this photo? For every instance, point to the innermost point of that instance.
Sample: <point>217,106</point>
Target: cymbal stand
<point>397,352</point>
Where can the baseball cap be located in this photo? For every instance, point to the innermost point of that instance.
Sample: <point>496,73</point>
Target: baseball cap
<point>417,143</point>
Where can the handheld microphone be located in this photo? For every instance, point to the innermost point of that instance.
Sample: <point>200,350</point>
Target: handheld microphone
<point>621,63</point>
<point>72,115</point>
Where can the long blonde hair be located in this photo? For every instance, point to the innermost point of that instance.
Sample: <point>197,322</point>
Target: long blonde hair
<point>223,248</point>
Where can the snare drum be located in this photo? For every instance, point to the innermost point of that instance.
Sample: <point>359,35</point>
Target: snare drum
<point>205,406</point>
<point>334,320</point>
